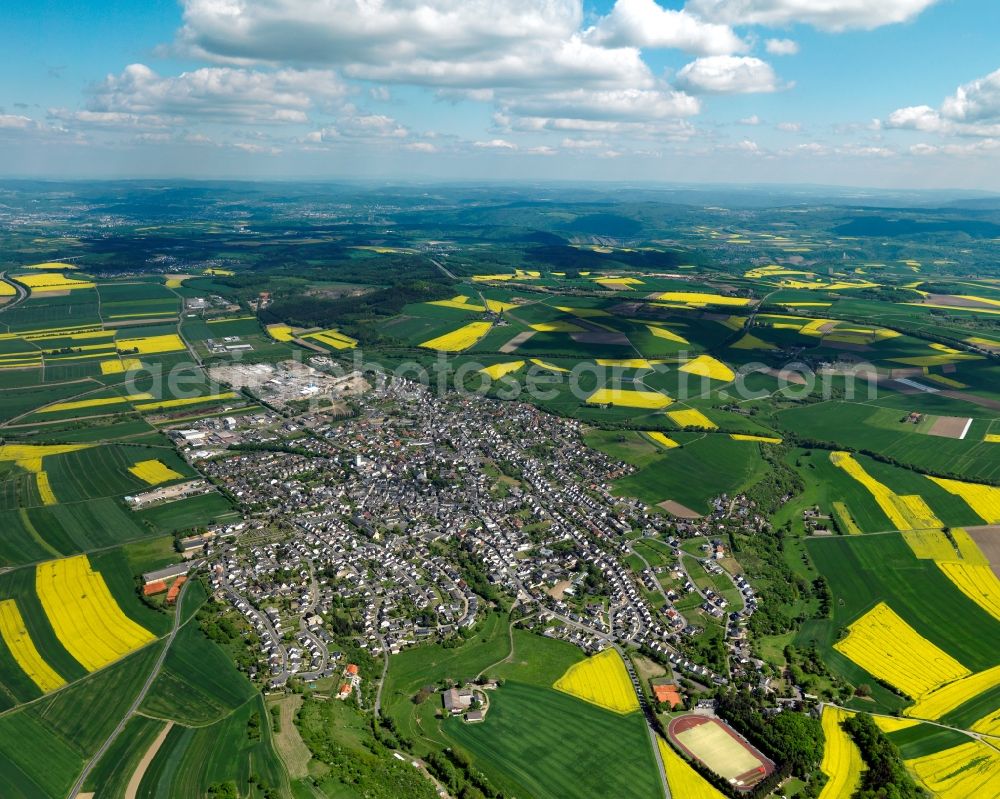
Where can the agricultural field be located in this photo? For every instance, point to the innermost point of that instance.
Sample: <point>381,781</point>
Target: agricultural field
<point>601,680</point>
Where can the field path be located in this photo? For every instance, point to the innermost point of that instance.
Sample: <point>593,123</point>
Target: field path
<point>74,792</point>
<point>140,770</point>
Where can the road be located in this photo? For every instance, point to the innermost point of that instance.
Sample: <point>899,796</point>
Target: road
<point>651,726</point>
<point>178,615</point>
<point>22,292</point>
<point>443,269</point>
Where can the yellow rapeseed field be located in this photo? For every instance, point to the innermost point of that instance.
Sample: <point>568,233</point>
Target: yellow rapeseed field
<point>962,772</point>
<point>930,544</point>
<point>984,500</point>
<point>992,438</point>
<point>29,456</point>
<point>6,289</point>
<point>629,398</point>
<point>661,439</point>
<point>96,402</point>
<point>889,724</point>
<point>174,282</point>
<point>546,365</point>
<point>601,680</point>
<point>905,512</point>
<point>334,339</point>
<point>698,299</point>
<point>945,381</point>
<point>52,281</point>
<point>750,342</point>
<point>151,345</point>
<point>691,417</point>
<point>498,370</point>
<point>936,360</point>
<point>761,439</point>
<point>177,403</point>
<point>968,548</point>
<point>118,366</point>
<point>948,697</point>
<point>52,265</point>
<point>83,613</point>
<point>461,302</point>
<point>583,313</point>
<point>989,724</point>
<point>280,332</point>
<point>219,272</point>
<point>887,647</point>
<point>460,339</point>
<point>845,518</point>
<point>842,761</point>
<point>669,335</point>
<point>977,582</point>
<point>625,363</point>
<point>558,326</point>
<point>154,472</point>
<point>45,488</point>
<point>18,640</point>
<point>707,366</point>
<point>684,781</point>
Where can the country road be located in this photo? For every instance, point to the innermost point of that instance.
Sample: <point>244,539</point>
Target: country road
<point>153,674</point>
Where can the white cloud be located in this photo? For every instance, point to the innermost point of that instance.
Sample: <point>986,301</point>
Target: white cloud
<point>781,46</point>
<point>973,110</point>
<point>219,93</point>
<point>726,74</point>
<point>644,23</point>
<point>753,119</point>
<point>613,104</point>
<point>374,31</point>
<point>15,122</point>
<point>976,101</point>
<point>789,127</point>
<point>495,144</point>
<point>832,15</point>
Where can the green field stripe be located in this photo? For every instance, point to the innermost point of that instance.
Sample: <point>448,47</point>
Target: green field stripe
<point>36,536</point>
<point>114,568</point>
<point>20,585</point>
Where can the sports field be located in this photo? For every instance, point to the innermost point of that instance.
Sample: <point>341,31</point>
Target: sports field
<point>720,748</point>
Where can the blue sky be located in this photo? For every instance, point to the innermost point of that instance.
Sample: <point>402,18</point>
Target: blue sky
<point>887,93</point>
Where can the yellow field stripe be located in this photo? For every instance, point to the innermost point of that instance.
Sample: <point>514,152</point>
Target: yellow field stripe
<point>83,613</point>
<point>15,634</point>
<point>945,699</point>
<point>691,417</point>
<point>841,757</point>
<point>177,403</point>
<point>888,648</point>
<point>96,402</point>
<point>45,489</point>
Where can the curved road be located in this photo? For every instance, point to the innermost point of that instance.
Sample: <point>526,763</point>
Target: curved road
<point>153,674</point>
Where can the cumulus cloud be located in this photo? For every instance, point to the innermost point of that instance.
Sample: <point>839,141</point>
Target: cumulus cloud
<point>644,23</point>
<point>831,15</point>
<point>224,94</point>
<point>725,74</point>
<point>973,110</point>
<point>781,46</point>
<point>15,122</point>
<point>789,127</point>
<point>612,104</point>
